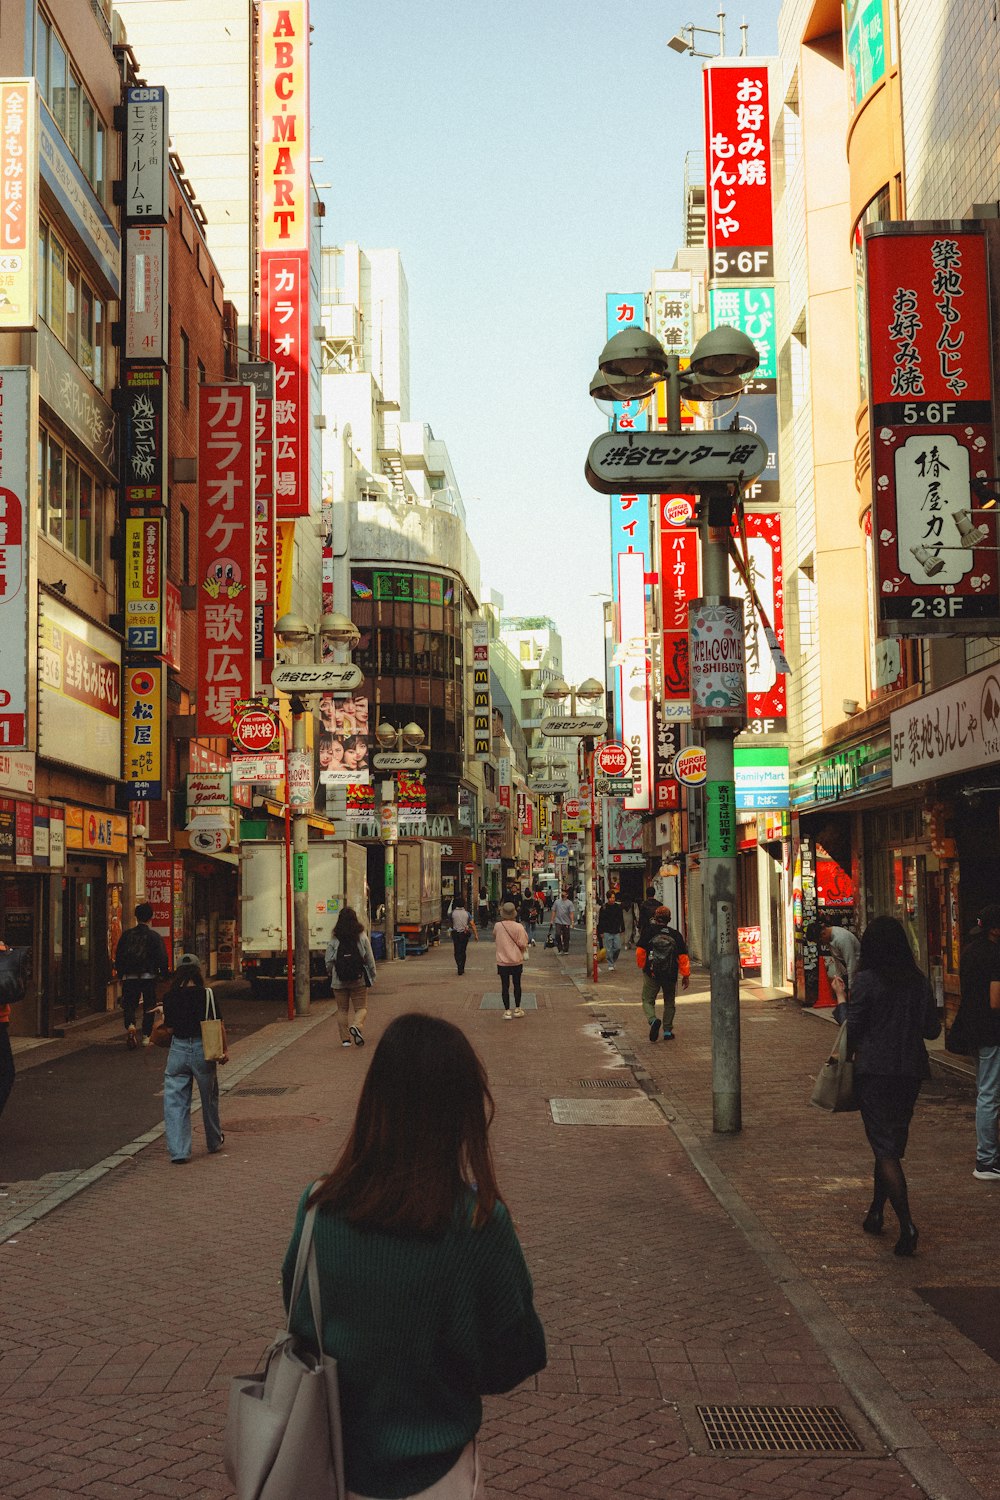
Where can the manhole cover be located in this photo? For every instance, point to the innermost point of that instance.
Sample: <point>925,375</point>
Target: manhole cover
<point>261,1093</point>
<point>607,1083</point>
<point>636,1110</point>
<point>777,1429</point>
<point>495,1002</point>
<point>272,1124</point>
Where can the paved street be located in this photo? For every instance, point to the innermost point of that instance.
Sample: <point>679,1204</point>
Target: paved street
<point>674,1269</point>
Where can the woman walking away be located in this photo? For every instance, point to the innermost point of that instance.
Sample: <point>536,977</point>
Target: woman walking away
<point>512,944</point>
<point>462,928</point>
<point>890,1009</point>
<point>185,1005</point>
<point>350,963</point>
<point>426,1299</point>
<point>484,909</point>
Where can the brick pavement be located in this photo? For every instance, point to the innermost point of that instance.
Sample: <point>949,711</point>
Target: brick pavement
<point>128,1306</point>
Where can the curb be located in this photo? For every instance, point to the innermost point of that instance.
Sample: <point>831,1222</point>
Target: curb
<point>903,1435</point>
<point>83,1179</point>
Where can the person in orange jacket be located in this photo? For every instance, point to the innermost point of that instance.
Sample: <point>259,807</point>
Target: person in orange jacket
<point>661,962</point>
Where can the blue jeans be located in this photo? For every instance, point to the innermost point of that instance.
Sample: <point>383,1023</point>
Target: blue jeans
<point>612,945</point>
<point>185,1063</point>
<point>987,1107</point>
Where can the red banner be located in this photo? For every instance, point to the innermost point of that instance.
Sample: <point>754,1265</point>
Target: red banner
<point>767,705</point>
<point>225,552</point>
<point>738,167</point>
<point>935,548</point>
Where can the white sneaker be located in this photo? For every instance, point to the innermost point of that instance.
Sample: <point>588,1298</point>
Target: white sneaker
<point>611,968</point>
<point>506,1014</point>
<point>147,1041</point>
<point>987,1174</point>
<point>519,1012</point>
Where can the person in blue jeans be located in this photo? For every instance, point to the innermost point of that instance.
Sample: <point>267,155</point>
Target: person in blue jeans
<point>184,1009</point>
<point>980,1017</point>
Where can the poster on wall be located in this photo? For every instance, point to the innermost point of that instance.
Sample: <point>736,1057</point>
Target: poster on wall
<point>344,743</point>
<point>931,434</point>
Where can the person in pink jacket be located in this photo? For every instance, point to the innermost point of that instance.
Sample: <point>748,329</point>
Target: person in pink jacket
<point>512,944</point>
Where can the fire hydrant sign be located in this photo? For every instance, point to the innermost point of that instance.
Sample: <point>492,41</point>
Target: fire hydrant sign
<point>935,549</point>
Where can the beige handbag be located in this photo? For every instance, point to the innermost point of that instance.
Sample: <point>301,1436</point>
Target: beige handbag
<point>834,1087</point>
<point>213,1033</point>
<point>283,1437</point>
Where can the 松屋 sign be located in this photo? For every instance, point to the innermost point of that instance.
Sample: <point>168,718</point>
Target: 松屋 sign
<point>931,406</point>
<point>738,168</point>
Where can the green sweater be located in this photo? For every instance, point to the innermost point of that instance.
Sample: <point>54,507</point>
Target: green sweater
<point>420,1329</point>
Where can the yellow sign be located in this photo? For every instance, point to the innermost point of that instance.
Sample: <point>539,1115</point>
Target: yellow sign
<point>144,583</point>
<point>18,203</point>
<point>143,732</point>
<point>96,830</point>
<point>284,543</point>
<point>283,31</point>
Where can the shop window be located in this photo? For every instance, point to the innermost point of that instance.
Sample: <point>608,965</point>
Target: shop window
<point>54,491</point>
<point>43,272</point>
<point>72,310</point>
<point>56,94</point>
<point>57,288</point>
<point>71,499</point>
<point>85,518</point>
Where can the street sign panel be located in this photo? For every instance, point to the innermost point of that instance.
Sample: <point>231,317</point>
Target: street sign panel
<point>641,463</point>
<point>613,760</point>
<point>399,760</point>
<point>316,679</point>
<point>546,788</point>
<point>574,728</point>
<point>251,768</point>
<point>613,786</point>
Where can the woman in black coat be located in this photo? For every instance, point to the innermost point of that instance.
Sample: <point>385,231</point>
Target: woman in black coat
<point>890,1011</point>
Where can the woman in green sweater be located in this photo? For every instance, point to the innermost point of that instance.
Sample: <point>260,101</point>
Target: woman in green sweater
<point>427,1301</point>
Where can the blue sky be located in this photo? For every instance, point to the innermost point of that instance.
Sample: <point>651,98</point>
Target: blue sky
<point>525,158</point>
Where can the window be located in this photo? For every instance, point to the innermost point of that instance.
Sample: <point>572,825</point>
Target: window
<point>54,491</point>
<point>72,132</point>
<point>43,449</point>
<point>71,500</point>
<point>88,137</point>
<point>42,33</point>
<point>56,97</point>
<point>100,374</point>
<point>85,519</point>
<point>72,302</point>
<point>201,373</point>
<point>185,369</point>
<point>99,529</point>
<point>100,162</point>
<point>86,323</point>
<point>43,271</point>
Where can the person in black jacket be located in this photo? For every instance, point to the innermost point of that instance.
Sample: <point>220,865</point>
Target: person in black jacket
<point>610,926</point>
<point>140,959</point>
<point>647,911</point>
<point>890,1010</point>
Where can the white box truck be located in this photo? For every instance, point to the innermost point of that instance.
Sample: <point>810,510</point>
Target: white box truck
<point>337,878</point>
<point>418,892</point>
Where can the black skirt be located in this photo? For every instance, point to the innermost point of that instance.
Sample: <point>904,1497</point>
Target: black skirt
<point>886,1104</point>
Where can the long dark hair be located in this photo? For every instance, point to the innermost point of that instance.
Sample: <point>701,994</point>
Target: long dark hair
<point>348,928</point>
<point>420,1138</point>
<point>187,976</point>
<point>885,949</point>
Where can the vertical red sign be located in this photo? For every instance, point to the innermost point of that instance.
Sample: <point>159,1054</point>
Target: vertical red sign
<point>738,169</point>
<point>767,704</point>
<point>931,410</point>
<point>225,552</point>
<point>284,230</point>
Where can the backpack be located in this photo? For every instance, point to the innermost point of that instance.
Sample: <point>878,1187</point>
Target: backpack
<point>134,952</point>
<point>15,965</point>
<point>348,964</point>
<point>662,956</point>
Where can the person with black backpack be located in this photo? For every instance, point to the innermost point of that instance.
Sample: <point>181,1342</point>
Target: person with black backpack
<point>351,965</point>
<point>140,959</point>
<point>665,957</point>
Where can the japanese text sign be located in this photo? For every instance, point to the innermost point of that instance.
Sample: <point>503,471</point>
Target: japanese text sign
<point>146,292</point>
<point>15,406</point>
<point>143,732</point>
<point>144,583</point>
<point>145,403</point>
<point>864,23</point>
<point>79,693</point>
<point>751,310</point>
<point>766,687</point>
<point>681,463</point>
<point>632,678</point>
<point>955,729</point>
<point>738,167</point>
<point>146,156</point>
<point>225,552</point>
<point>935,552</point>
<point>260,374</point>
<point>672,315</point>
<point>18,203</point>
<point>678,585</point>
<point>284,239</point>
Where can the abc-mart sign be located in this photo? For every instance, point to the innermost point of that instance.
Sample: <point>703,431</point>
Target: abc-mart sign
<point>956,729</point>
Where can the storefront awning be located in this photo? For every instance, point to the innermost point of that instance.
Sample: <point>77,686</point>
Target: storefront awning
<point>275,809</point>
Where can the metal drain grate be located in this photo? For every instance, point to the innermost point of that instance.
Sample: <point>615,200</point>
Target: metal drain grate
<point>777,1429</point>
<point>607,1083</point>
<point>262,1093</point>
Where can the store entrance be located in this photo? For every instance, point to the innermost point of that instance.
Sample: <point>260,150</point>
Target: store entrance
<point>917,881</point>
<point>83,980</point>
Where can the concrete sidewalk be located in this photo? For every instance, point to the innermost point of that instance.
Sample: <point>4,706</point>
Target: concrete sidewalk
<point>673,1270</point>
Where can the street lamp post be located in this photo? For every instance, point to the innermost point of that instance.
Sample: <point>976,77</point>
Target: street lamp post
<point>631,365</point>
<point>392,740</point>
<point>292,632</point>
<point>586,731</point>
